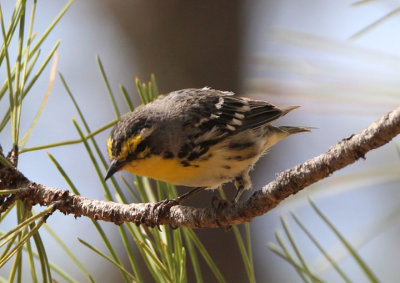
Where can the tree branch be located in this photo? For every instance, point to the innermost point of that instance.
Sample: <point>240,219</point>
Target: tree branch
<point>289,182</point>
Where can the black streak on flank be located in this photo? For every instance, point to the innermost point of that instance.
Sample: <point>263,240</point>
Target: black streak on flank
<point>205,158</point>
<point>236,157</point>
<point>240,157</point>
<point>185,163</point>
<point>226,167</point>
<point>168,155</point>
<point>195,155</point>
<point>184,151</point>
<point>208,143</point>
<point>240,146</point>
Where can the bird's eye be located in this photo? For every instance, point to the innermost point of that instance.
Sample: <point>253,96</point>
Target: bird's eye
<point>140,147</point>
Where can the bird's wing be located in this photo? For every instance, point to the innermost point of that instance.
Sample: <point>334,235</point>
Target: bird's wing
<point>235,114</point>
<point>243,113</point>
<point>215,115</point>
<point>208,116</point>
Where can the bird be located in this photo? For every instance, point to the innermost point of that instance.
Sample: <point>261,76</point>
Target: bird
<point>200,138</point>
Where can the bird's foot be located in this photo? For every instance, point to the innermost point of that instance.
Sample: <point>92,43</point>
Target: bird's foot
<point>219,205</point>
<point>162,208</point>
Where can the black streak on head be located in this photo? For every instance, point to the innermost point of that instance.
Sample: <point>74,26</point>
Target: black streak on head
<point>130,125</point>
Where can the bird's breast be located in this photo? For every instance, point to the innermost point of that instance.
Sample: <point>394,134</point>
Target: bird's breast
<point>218,169</point>
<point>159,168</point>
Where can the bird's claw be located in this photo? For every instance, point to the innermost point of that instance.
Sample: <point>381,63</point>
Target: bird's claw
<point>160,209</point>
<point>219,205</point>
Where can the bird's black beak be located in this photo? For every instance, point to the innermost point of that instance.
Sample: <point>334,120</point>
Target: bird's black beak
<point>115,165</point>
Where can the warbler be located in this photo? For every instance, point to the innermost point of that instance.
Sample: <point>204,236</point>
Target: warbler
<point>199,138</point>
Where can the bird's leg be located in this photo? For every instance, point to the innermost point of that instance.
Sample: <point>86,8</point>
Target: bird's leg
<point>219,205</point>
<point>162,207</point>
<point>242,182</point>
<point>187,195</point>
<point>239,192</point>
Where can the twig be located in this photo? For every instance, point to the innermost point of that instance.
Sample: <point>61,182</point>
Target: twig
<point>289,182</point>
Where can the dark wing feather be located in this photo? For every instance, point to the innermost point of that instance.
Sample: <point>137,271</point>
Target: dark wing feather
<point>251,113</point>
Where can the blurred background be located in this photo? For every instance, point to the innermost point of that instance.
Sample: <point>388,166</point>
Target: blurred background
<point>308,53</point>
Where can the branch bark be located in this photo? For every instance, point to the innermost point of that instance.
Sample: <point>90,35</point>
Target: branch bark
<point>289,182</point>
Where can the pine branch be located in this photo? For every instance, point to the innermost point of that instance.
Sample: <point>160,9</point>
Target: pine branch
<point>289,182</point>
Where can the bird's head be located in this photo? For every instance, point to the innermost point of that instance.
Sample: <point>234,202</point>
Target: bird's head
<point>128,142</point>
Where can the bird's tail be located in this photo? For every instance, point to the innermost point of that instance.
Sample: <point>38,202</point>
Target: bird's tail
<point>287,109</point>
<point>294,130</point>
<point>276,134</point>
